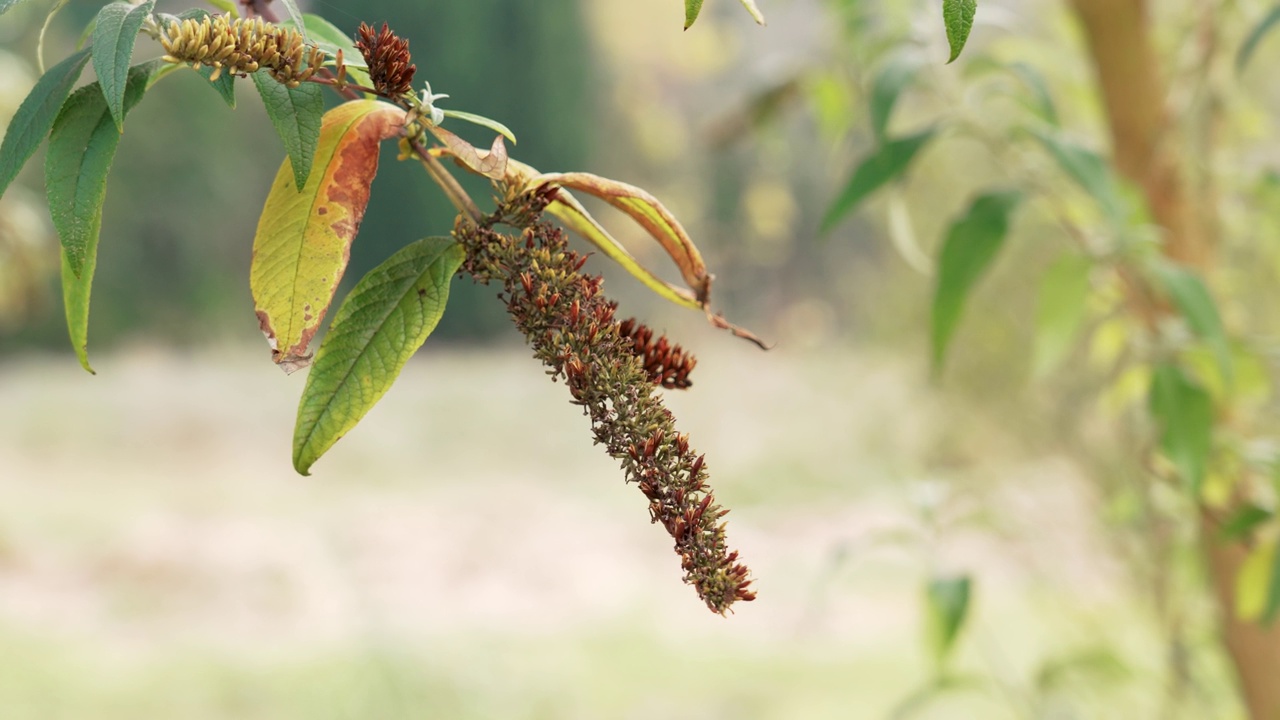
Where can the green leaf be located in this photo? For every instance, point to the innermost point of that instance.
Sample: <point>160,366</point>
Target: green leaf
<point>113,39</point>
<point>31,123</point>
<point>1183,413</point>
<point>1064,292</point>
<point>1255,37</point>
<point>888,162</point>
<point>889,83</point>
<point>1258,585</point>
<point>330,38</point>
<point>1195,303</point>
<point>958,17</point>
<point>946,608</point>
<point>82,146</point>
<point>225,85</point>
<point>1243,521</point>
<point>295,16</point>
<point>691,10</point>
<point>482,121</point>
<point>381,324</point>
<point>756,15</point>
<point>1041,100</point>
<point>7,5</point>
<point>1089,170</point>
<point>971,245</point>
<point>296,114</point>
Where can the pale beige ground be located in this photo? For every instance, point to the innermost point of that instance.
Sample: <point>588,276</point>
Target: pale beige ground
<point>150,514</point>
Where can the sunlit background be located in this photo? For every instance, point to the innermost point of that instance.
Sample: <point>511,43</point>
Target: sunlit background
<point>467,552</point>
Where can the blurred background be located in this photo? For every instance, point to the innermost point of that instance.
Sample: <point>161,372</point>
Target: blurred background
<point>466,552</point>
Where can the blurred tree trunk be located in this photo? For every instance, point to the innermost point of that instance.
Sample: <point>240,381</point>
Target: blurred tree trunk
<point>1146,152</point>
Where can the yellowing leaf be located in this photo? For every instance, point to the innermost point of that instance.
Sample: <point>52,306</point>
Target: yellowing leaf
<point>303,242</point>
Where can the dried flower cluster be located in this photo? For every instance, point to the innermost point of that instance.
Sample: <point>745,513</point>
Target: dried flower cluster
<point>667,364</point>
<point>241,46</point>
<point>387,56</point>
<point>572,329</point>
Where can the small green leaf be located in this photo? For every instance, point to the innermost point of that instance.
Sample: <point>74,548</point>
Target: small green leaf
<point>958,17</point>
<point>482,121</point>
<point>756,15</point>
<point>82,146</point>
<point>1041,100</point>
<point>971,245</point>
<point>1243,522</point>
<point>331,39</point>
<point>296,114</point>
<point>1183,413</point>
<point>1255,37</point>
<point>1272,608</point>
<point>1258,585</point>
<point>946,608</point>
<point>1064,292</point>
<point>7,5</point>
<point>295,15</point>
<point>114,36</point>
<point>31,123</point>
<point>889,83</point>
<point>1089,170</point>
<point>225,85</point>
<point>1195,303</point>
<point>381,324</point>
<point>888,162</point>
<point>691,10</point>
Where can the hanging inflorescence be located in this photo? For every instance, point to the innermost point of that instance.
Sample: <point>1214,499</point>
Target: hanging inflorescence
<point>572,329</point>
<point>387,56</point>
<point>241,46</point>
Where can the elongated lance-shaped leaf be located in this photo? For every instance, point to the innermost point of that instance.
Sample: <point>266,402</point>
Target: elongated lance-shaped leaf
<point>1089,170</point>
<point>972,244</point>
<point>946,609</point>
<point>482,121</point>
<point>81,148</point>
<point>379,326</point>
<point>692,8</point>
<point>295,113</point>
<point>1195,303</point>
<point>887,86</point>
<point>114,36</point>
<point>1183,412</point>
<point>650,214</point>
<point>329,38</point>
<point>295,15</point>
<point>1060,310</point>
<point>35,116</point>
<point>756,15</point>
<point>304,238</point>
<point>889,161</point>
<point>1255,37</point>
<point>958,15</point>
<point>7,5</point>
<point>225,85</point>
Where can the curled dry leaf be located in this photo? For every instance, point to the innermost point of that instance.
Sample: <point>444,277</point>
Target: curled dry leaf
<point>491,164</point>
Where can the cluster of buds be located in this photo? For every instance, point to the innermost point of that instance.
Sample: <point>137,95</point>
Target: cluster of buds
<point>571,326</point>
<point>387,57</point>
<point>241,46</point>
<point>667,364</point>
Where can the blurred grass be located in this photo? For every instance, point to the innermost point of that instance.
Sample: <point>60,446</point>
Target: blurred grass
<point>467,553</point>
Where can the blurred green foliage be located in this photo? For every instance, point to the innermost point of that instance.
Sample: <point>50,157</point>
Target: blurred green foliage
<point>191,175</point>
